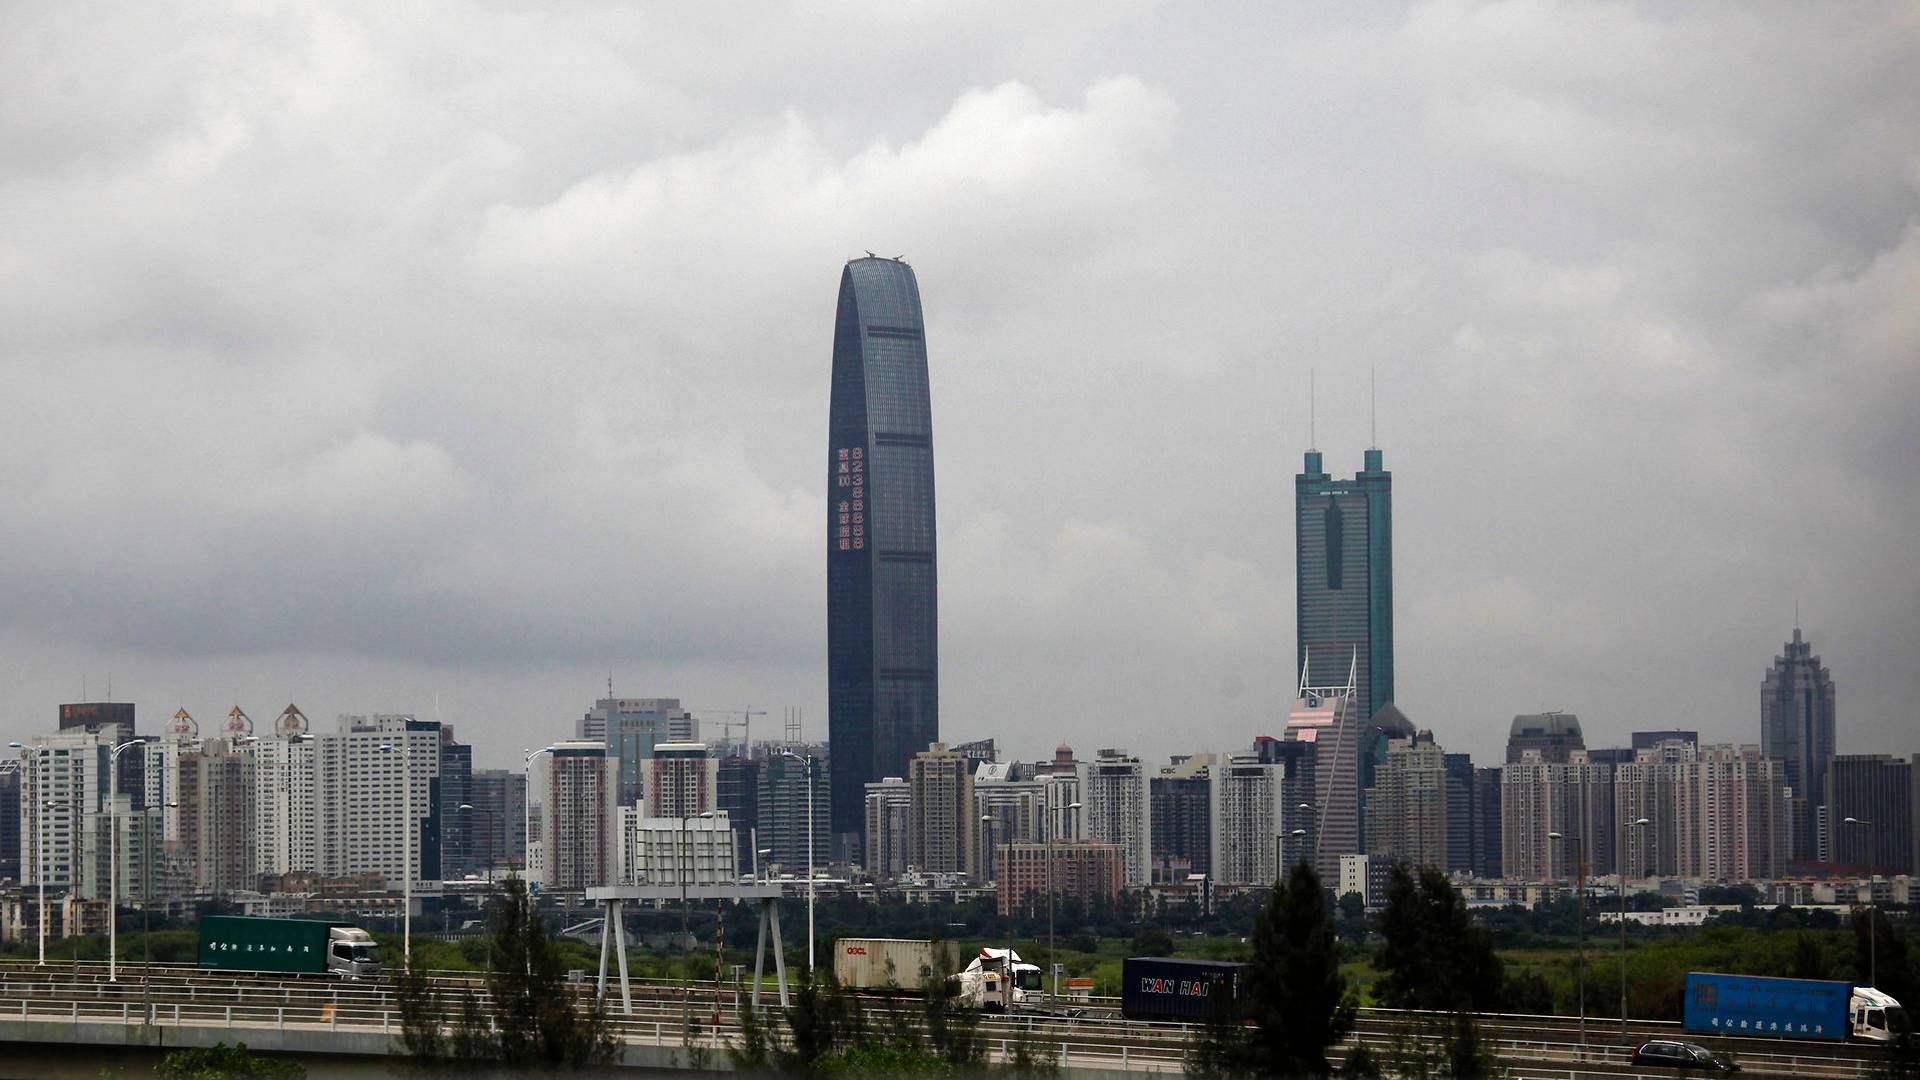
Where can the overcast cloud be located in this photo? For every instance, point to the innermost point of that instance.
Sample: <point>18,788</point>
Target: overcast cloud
<point>441,356</point>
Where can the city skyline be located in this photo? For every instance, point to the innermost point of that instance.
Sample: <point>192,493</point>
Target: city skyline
<point>335,384</point>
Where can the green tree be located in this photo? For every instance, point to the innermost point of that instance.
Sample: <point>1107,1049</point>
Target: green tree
<point>223,1062</point>
<point>1435,963</point>
<point>531,1018</point>
<point>1872,931</point>
<point>1297,1002</point>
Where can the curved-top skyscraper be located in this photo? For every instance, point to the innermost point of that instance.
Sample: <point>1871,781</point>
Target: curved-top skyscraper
<point>883,662</point>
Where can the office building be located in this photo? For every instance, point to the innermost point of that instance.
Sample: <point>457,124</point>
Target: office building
<point>500,818</point>
<point>1647,740</point>
<point>1343,571</point>
<point>1540,797</point>
<point>1365,875</point>
<point>737,794</point>
<point>940,828</point>
<point>456,790</point>
<point>1876,789</point>
<point>631,728</point>
<point>1487,816</point>
<point>674,851</point>
<point>787,783</point>
<point>1086,873</point>
<point>1556,735</point>
<point>1119,810</point>
<point>1407,815</point>
<point>1327,718</point>
<point>376,786</point>
<point>682,781</point>
<point>1797,729</point>
<point>580,842</point>
<point>1181,798</point>
<point>883,672</point>
<point>889,819</point>
<point>1463,836</point>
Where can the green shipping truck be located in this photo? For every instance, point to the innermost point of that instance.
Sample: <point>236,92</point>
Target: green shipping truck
<point>293,946</point>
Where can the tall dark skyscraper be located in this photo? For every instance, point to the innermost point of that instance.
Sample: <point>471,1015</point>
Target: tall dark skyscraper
<point>1796,726</point>
<point>1343,540</point>
<point>883,665</point>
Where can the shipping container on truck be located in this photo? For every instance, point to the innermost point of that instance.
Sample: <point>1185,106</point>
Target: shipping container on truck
<point>1757,1005</point>
<point>1158,988</point>
<point>291,946</point>
<point>890,964</point>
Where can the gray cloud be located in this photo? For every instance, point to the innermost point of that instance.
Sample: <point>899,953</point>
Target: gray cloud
<point>363,356</point>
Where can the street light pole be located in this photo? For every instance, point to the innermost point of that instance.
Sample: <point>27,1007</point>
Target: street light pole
<point>1580,909</point>
<point>1626,834</point>
<point>113,860</point>
<point>1873,902</point>
<point>808,762</point>
<point>1053,956</point>
<point>407,827</point>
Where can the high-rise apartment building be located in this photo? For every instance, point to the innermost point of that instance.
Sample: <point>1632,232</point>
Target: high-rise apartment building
<point>286,820</point>
<point>1714,813</point>
<point>1797,729</point>
<point>1005,811</point>
<point>941,827</point>
<point>217,818</point>
<point>1119,809</point>
<point>792,789</point>
<point>1876,789</point>
<point>889,820</point>
<point>1407,815</point>
<point>1539,798</point>
<point>580,843</point>
<point>682,781</point>
<point>1249,820</point>
<point>375,784</point>
<point>1343,572</point>
<point>63,782</point>
<point>631,728</point>
<point>883,671</point>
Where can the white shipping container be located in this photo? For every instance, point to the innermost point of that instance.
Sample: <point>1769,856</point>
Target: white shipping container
<point>887,963</point>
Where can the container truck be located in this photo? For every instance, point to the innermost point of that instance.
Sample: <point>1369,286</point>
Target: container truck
<point>984,983</point>
<point>293,946</point>
<point>890,964</point>
<point>1158,988</point>
<point>1758,1005</point>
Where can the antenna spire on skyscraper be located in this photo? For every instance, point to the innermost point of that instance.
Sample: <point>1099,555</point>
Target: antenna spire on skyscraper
<point>1313,431</point>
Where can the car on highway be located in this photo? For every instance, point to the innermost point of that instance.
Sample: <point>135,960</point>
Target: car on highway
<point>1673,1054</point>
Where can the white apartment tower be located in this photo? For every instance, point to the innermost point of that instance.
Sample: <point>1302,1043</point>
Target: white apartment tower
<point>1248,808</point>
<point>1119,810</point>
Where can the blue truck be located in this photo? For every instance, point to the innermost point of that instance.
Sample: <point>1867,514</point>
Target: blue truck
<point>1756,1005</point>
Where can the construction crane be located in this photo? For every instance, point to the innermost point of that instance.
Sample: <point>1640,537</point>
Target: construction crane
<point>744,723</point>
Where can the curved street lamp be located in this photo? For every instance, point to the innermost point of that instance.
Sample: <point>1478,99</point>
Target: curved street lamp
<point>1630,826</point>
<point>39,856</point>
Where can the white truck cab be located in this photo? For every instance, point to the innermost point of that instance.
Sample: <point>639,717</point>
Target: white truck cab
<point>984,983</point>
<point>352,953</point>
<point>1875,1016</point>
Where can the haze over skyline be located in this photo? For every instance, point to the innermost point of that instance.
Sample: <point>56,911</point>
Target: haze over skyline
<point>365,357</point>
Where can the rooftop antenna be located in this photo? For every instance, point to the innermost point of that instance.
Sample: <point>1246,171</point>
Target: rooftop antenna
<point>1313,436</point>
<point>1373,411</point>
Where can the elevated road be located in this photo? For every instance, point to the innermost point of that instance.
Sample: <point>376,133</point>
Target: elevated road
<point>178,1005</point>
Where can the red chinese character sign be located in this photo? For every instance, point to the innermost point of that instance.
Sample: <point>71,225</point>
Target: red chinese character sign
<point>850,498</point>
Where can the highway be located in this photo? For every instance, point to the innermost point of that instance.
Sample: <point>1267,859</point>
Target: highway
<point>184,996</point>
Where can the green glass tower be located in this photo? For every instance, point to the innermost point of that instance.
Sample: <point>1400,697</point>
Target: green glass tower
<point>1343,567</point>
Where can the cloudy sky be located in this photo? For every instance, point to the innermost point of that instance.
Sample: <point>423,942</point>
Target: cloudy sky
<point>428,356</point>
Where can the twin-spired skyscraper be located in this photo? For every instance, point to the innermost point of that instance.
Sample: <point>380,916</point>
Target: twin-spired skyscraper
<point>883,661</point>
